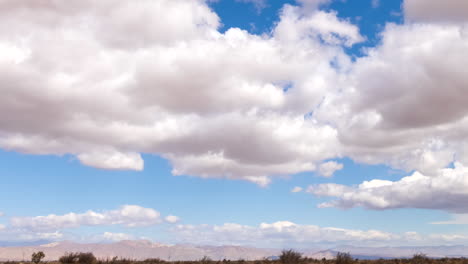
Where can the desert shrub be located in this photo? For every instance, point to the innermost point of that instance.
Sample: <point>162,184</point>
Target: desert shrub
<point>420,259</point>
<point>154,261</point>
<point>36,257</point>
<point>343,258</point>
<point>290,257</point>
<point>205,260</point>
<point>78,258</point>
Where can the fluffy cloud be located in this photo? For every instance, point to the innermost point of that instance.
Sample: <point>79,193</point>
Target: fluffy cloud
<point>434,10</point>
<point>401,104</point>
<point>327,169</point>
<point>127,215</point>
<point>172,219</point>
<point>296,189</point>
<point>228,105</point>
<point>287,234</point>
<point>446,190</point>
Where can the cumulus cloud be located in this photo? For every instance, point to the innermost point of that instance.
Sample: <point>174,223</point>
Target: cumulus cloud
<point>287,234</point>
<point>400,105</point>
<point>127,215</point>
<point>214,104</point>
<point>327,169</point>
<point>434,10</point>
<point>228,105</point>
<point>447,190</point>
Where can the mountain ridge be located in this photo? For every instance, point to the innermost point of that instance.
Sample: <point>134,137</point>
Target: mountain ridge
<point>144,249</point>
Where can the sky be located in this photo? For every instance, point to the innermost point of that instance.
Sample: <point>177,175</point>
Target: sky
<point>271,123</point>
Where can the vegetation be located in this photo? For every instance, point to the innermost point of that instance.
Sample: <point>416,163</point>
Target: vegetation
<point>36,257</point>
<point>290,257</point>
<point>343,258</point>
<point>78,258</point>
<point>286,257</point>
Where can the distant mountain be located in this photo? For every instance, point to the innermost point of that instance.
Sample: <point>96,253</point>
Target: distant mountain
<point>138,249</point>
<point>143,249</point>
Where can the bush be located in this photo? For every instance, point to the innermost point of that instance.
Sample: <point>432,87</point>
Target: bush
<point>36,257</point>
<point>290,257</point>
<point>343,258</point>
<point>79,257</point>
<point>420,259</point>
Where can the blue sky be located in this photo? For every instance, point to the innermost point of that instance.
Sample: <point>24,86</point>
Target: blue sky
<point>190,118</point>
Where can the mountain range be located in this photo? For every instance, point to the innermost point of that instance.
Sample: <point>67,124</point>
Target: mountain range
<point>143,249</point>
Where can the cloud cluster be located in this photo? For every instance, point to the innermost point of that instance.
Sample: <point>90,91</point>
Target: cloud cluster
<point>287,234</point>
<point>214,104</point>
<point>447,190</point>
<point>230,105</point>
<point>127,215</point>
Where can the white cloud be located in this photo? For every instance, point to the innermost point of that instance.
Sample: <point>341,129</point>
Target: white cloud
<point>392,109</point>
<point>296,189</point>
<point>108,236</point>
<point>327,169</point>
<point>375,3</point>
<point>127,215</point>
<point>112,160</point>
<point>287,234</point>
<point>172,219</point>
<point>2,227</point>
<point>435,10</point>
<point>211,103</point>
<point>447,190</point>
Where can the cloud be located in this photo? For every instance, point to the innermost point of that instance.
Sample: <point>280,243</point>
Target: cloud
<point>108,236</point>
<point>327,169</point>
<point>392,109</point>
<point>457,219</point>
<point>2,227</point>
<point>7,233</point>
<point>288,234</point>
<point>228,105</point>
<point>172,219</point>
<point>434,10</point>
<point>214,104</point>
<point>296,189</point>
<point>2,214</point>
<point>446,190</point>
<point>127,215</point>
<point>112,160</point>
<point>375,3</point>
